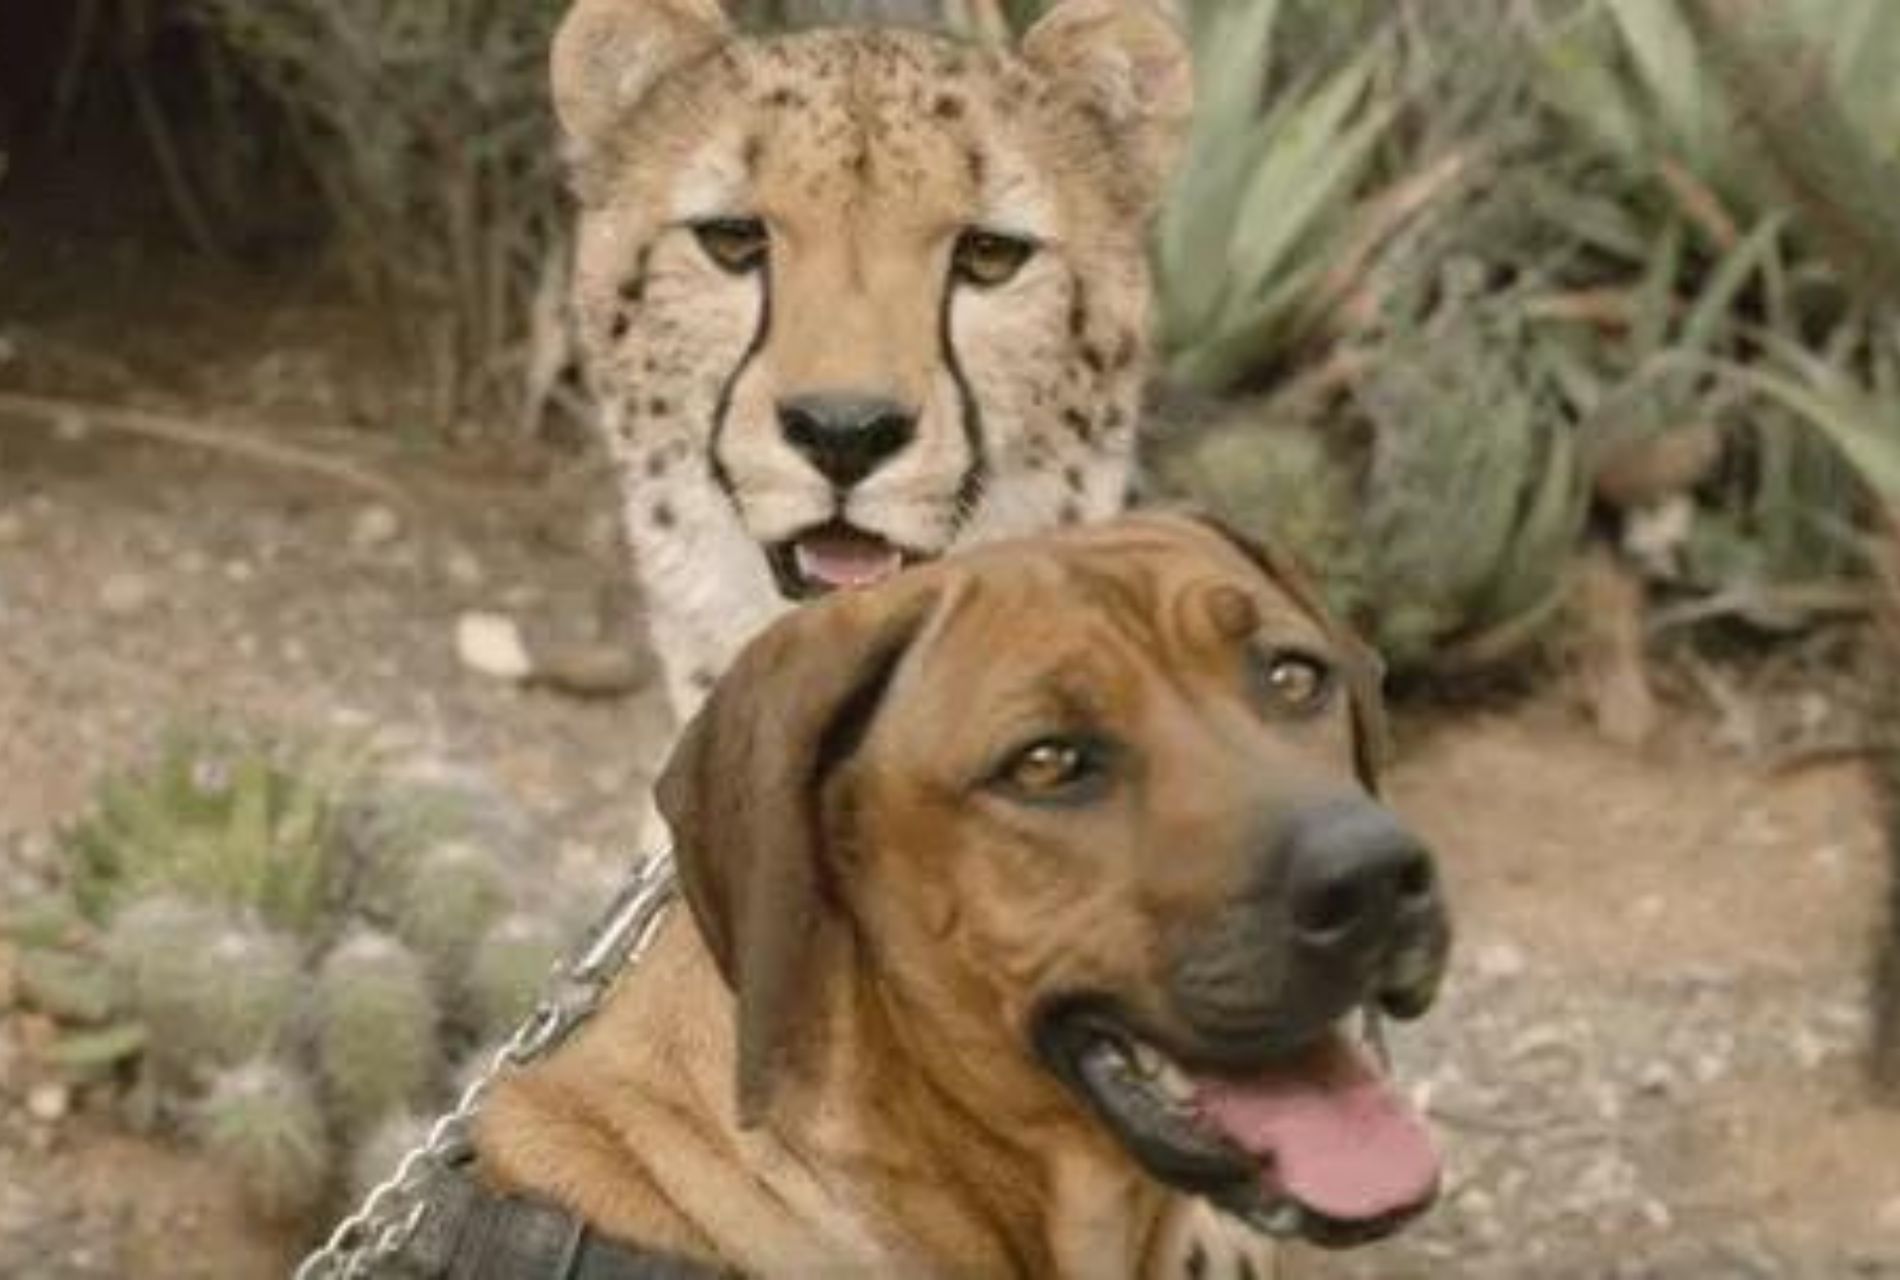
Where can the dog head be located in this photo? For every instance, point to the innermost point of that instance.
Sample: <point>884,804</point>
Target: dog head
<point>1097,810</point>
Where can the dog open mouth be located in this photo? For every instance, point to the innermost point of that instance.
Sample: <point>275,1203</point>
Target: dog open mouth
<point>1319,1145</point>
<point>834,556</point>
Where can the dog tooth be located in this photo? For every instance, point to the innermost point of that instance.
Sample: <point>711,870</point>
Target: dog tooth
<point>1148,1062</point>
<point>1175,1083</point>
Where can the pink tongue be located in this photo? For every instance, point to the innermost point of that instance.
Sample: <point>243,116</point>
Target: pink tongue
<point>846,559</point>
<point>1341,1142</point>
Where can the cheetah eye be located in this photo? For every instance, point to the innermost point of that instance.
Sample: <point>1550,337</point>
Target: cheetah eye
<point>738,245</point>
<point>1295,683</point>
<point>987,259</point>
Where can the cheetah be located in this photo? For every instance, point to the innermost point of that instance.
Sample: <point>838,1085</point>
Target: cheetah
<point>851,298</point>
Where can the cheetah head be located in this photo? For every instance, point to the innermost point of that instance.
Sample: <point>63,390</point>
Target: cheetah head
<point>854,296</point>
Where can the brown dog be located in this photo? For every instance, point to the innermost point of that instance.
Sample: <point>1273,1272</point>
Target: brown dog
<point>1032,890</point>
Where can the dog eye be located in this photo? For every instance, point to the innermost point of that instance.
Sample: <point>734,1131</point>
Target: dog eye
<point>988,258</point>
<point>737,245</point>
<point>1296,683</point>
<point>1050,767</point>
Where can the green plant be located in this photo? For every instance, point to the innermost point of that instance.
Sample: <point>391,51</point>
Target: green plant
<point>262,1118</point>
<point>377,1029</point>
<point>1506,262</point>
<point>1262,207</point>
<point>287,945</point>
<point>427,130</point>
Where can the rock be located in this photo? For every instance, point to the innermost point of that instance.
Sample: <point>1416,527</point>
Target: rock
<point>374,526</point>
<point>461,567</point>
<point>1499,960</point>
<point>12,527</point>
<point>1654,536</point>
<point>491,644</point>
<point>1644,470</point>
<point>124,594</point>
<point>598,670</point>
<point>48,1102</point>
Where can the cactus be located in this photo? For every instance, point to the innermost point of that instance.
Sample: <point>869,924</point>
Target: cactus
<point>213,988</point>
<point>454,889</point>
<point>291,947</point>
<point>263,1120</point>
<point>377,1022</point>
<point>507,971</point>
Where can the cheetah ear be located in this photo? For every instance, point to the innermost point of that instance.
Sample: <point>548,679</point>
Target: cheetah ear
<point>1126,60</point>
<point>608,54</point>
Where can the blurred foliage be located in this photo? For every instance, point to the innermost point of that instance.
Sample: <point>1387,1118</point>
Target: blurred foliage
<point>278,942</point>
<point>1533,269</point>
<point>427,128</point>
<point>1528,271</point>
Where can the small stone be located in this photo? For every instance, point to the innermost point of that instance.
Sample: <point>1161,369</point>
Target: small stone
<point>374,526</point>
<point>1888,1216</point>
<point>1499,960</point>
<point>124,594</point>
<point>48,1102</point>
<point>1809,1049</point>
<point>1656,1080</point>
<point>71,428</point>
<point>460,567</point>
<point>239,570</point>
<point>491,644</point>
<point>12,526</point>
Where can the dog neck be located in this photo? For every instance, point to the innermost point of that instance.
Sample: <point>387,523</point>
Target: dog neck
<point>869,1163</point>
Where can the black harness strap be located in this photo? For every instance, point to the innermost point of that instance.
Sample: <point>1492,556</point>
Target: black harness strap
<point>473,1233</point>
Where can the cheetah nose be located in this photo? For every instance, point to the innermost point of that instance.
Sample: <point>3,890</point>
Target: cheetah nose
<point>845,435</point>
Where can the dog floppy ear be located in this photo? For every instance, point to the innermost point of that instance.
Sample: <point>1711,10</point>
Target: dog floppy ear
<point>1364,669</point>
<point>608,54</point>
<point>742,794</point>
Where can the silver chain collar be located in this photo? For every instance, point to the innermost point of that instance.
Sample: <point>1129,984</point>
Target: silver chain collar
<point>388,1218</point>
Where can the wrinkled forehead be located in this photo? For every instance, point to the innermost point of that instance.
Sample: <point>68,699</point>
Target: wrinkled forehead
<point>849,133</point>
<point>1160,595</point>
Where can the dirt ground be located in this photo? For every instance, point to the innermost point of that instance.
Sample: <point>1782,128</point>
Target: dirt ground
<point>1645,1066</point>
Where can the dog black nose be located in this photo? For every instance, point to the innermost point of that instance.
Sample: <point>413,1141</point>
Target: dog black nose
<point>1354,875</point>
<point>845,436</point>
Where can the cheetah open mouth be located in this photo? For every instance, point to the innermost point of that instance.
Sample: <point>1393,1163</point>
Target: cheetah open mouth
<point>834,556</point>
<point>1317,1143</point>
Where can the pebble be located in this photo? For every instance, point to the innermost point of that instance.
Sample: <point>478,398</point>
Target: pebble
<point>374,526</point>
<point>124,594</point>
<point>491,644</point>
<point>1499,960</point>
<point>48,1102</point>
<point>460,567</point>
<point>12,526</point>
